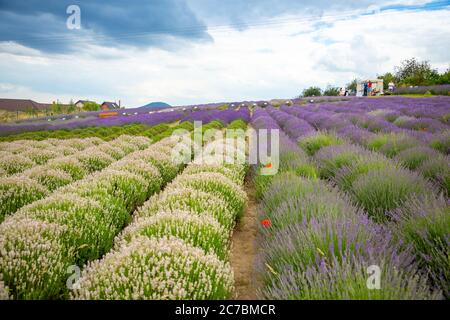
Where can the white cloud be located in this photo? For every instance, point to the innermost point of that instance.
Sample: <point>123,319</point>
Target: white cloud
<point>258,63</point>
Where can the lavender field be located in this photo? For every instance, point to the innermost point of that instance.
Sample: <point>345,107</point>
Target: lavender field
<point>357,208</point>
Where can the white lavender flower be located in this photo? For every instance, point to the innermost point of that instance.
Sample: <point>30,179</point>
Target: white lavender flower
<point>94,160</point>
<point>191,200</point>
<point>18,191</point>
<point>33,261</point>
<point>215,183</point>
<point>115,152</point>
<point>70,165</point>
<point>200,231</point>
<point>13,163</point>
<point>39,156</point>
<point>159,159</point>
<point>149,268</point>
<point>91,227</point>
<point>234,175</point>
<point>48,177</point>
<point>4,291</point>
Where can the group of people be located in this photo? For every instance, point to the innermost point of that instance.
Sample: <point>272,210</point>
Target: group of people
<point>368,89</point>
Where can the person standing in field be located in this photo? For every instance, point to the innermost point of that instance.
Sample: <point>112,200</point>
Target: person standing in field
<point>391,86</point>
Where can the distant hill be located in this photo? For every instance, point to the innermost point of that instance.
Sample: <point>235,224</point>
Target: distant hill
<point>158,105</point>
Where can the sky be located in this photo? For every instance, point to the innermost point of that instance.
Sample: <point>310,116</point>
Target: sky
<point>186,52</point>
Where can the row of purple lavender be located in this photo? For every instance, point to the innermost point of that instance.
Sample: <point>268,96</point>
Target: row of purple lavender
<point>150,119</point>
<point>321,246</point>
<point>421,148</point>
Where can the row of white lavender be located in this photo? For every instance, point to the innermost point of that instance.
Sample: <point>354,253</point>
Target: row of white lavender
<point>17,156</point>
<point>45,240</point>
<point>41,180</point>
<point>177,246</point>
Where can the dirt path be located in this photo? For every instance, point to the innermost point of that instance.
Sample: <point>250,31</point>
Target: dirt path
<point>244,249</point>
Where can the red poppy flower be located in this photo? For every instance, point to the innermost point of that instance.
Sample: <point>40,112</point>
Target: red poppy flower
<point>266,223</point>
<point>269,165</point>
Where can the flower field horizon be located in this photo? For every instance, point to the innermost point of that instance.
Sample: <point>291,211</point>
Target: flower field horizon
<point>346,199</point>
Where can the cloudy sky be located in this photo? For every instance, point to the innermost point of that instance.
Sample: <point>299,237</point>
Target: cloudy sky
<point>199,51</point>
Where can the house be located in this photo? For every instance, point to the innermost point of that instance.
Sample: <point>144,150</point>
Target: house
<point>110,106</point>
<point>23,105</point>
<point>80,104</point>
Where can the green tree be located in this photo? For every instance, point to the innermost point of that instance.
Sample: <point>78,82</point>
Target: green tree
<point>56,107</point>
<point>387,77</point>
<point>416,73</point>
<point>91,106</point>
<point>352,85</point>
<point>312,92</point>
<point>71,108</point>
<point>445,77</point>
<point>331,91</point>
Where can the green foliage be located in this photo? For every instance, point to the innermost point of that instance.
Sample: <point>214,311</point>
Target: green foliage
<point>347,175</point>
<point>291,162</point>
<point>391,144</point>
<point>444,78</point>
<point>312,92</point>
<point>91,106</point>
<point>237,124</point>
<point>380,191</point>
<point>428,234</point>
<point>441,142</point>
<point>437,169</point>
<point>104,133</point>
<point>416,73</point>
<point>313,143</point>
<point>331,91</point>
<point>412,158</point>
<point>387,77</point>
<point>328,166</point>
<point>352,85</point>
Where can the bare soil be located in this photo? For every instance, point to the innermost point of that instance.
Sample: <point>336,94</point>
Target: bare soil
<point>244,249</point>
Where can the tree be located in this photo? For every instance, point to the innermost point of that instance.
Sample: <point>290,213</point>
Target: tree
<point>91,106</point>
<point>387,77</point>
<point>352,85</point>
<point>331,91</point>
<point>71,108</point>
<point>56,107</point>
<point>415,73</point>
<point>312,92</point>
<point>445,77</point>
